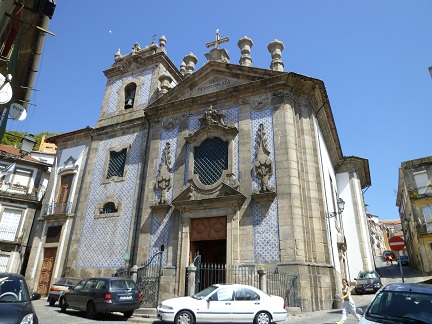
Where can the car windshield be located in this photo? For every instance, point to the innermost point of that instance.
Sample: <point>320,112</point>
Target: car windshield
<point>413,307</point>
<point>13,290</point>
<point>367,275</point>
<point>204,293</point>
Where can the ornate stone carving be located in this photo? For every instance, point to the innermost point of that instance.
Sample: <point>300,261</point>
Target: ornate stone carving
<point>169,123</point>
<point>163,181</point>
<point>263,166</point>
<point>212,117</point>
<point>260,103</point>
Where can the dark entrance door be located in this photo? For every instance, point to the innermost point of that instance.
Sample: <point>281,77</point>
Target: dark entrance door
<point>208,242</point>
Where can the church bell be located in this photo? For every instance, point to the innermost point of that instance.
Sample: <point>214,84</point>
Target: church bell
<point>129,103</point>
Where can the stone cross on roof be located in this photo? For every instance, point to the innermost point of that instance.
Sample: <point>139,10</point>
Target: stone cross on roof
<point>218,40</point>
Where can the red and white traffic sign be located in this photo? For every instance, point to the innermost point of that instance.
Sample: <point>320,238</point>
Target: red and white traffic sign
<point>397,243</point>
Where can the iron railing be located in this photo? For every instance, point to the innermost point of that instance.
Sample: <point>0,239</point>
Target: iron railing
<point>16,191</point>
<point>57,209</point>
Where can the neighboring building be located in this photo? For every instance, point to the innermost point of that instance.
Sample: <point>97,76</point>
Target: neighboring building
<point>414,201</point>
<point>46,152</point>
<point>238,164</point>
<point>22,186</point>
<point>378,243</point>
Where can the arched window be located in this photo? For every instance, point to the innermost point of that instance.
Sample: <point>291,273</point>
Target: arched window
<point>210,160</point>
<point>108,208</point>
<point>130,90</point>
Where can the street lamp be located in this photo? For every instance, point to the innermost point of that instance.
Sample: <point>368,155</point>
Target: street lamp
<point>27,144</point>
<point>340,205</point>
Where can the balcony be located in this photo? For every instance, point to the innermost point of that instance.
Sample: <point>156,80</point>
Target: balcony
<point>57,209</point>
<point>16,191</point>
<point>420,192</point>
<point>424,229</point>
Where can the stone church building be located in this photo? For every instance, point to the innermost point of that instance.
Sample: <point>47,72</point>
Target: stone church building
<point>240,164</point>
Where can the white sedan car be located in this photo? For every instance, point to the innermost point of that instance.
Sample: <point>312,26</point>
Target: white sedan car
<point>223,303</point>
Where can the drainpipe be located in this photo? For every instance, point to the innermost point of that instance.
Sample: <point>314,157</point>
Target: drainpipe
<point>140,195</point>
<point>77,204</point>
<point>35,65</point>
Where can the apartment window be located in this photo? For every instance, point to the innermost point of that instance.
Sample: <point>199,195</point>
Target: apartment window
<point>4,259</point>
<point>427,214</point>
<point>53,234</point>
<point>116,165</point>
<point>9,224</point>
<point>422,181</point>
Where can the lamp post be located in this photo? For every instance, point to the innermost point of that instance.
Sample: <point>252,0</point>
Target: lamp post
<point>27,144</point>
<point>341,206</point>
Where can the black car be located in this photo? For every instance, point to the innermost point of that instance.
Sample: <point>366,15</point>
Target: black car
<point>367,282</point>
<point>102,295</point>
<point>403,260</point>
<point>15,300</point>
<point>400,303</point>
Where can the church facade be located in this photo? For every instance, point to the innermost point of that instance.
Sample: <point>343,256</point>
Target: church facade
<point>242,165</point>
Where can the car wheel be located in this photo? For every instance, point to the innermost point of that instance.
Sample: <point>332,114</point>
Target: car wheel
<point>91,310</point>
<point>128,313</point>
<point>184,317</point>
<point>262,318</point>
<point>51,302</point>
<point>63,305</point>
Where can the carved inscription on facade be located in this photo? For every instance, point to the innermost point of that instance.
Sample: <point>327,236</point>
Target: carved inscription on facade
<point>214,84</point>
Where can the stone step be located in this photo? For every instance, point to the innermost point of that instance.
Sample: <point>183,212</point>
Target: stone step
<point>144,315</point>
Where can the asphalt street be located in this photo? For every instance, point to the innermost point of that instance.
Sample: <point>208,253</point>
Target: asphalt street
<point>389,274</point>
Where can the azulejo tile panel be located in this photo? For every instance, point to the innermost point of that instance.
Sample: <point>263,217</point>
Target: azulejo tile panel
<point>144,92</point>
<point>103,241</point>
<point>159,233</point>
<point>266,226</point>
<point>114,95</point>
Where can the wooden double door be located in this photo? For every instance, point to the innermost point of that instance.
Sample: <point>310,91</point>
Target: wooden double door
<point>46,271</point>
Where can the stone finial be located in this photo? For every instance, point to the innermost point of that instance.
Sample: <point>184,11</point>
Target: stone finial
<point>190,60</point>
<point>275,48</point>
<point>182,68</point>
<point>162,41</point>
<point>136,48</point>
<point>165,80</point>
<point>245,45</point>
<point>117,55</point>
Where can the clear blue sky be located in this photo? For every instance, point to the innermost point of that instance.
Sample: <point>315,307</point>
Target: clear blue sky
<point>373,57</point>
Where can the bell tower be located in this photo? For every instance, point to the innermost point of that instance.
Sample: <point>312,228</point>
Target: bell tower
<point>135,80</point>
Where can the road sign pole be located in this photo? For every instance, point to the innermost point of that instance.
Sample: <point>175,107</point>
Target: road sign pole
<point>400,266</point>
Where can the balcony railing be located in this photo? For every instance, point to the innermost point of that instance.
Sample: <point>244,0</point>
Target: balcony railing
<point>424,229</point>
<point>57,209</point>
<point>17,191</point>
<point>420,192</point>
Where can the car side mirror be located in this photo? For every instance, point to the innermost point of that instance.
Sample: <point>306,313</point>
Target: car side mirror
<point>355,278</point>
<point>35,296</point>
<point>359,311</point>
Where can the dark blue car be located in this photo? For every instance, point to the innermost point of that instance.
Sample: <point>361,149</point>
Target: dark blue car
<point>15,300</point>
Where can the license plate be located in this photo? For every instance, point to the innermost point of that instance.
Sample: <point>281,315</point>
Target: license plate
<point>125,297</point>
<point>369,289</point>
